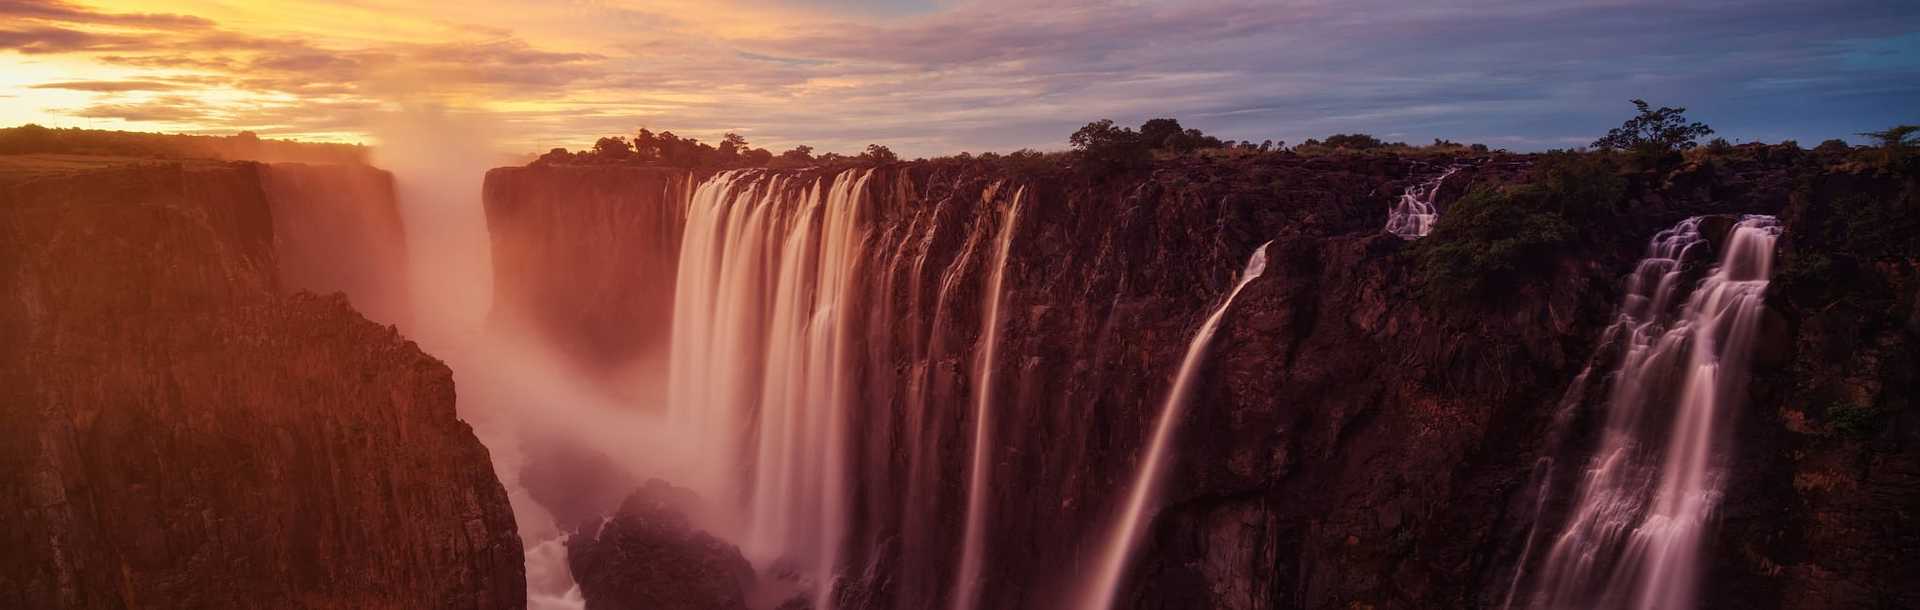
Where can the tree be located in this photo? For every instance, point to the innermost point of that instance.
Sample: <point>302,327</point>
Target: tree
<point>1895,142</point>
<point>879,154</point>
<point>612,149</point>
<point>756,157</point>
<point>557,156</point>
<point>731,145</point>
<point>1155,132</point>
<point>1354,141</point>
<point>1654,131</point>
<point>1899,136</point>
<point>799,154</point>
<point>646,146</point>
<point>1106,147</point>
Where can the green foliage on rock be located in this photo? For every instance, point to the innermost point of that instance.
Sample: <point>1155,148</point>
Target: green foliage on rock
<point>1494,239</point>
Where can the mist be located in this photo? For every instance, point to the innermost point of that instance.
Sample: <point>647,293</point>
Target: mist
<point>522,397</point>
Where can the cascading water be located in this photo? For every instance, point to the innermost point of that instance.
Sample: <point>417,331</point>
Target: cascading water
<point>762,355</point>
<point>1651,486</point>
<point>966,585</point>
<point>1414,216</point>
<point>1126,532</point>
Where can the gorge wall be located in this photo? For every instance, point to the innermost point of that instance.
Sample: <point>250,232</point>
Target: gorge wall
<point>588,255</point>
<point>1355,440</point>
<point>181,428</point>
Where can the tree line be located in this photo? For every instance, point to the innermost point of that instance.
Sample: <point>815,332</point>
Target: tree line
<point>665,148</point>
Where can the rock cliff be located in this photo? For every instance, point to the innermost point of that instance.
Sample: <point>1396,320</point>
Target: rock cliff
<point>1358,440</point>
<point>587,255</point>
<point>177,431</point>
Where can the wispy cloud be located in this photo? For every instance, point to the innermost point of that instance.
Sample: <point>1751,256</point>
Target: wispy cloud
<point>935,76</point>
<point>109,86</point>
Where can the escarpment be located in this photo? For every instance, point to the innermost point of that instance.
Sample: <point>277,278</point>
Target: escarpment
<point>1366,427</point>
<point>179,428</point>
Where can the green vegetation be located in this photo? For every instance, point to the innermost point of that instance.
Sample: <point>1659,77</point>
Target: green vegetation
<point>1841,242</point>
<point>1497,239</point>
<point>1853,420</point>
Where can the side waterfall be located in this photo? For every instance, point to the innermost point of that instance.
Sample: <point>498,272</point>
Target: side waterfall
<point>1126,532</point>
<point>762,355</point>
<point>1414,216</point>
<point>967,585</point>
<point>1649,491</point>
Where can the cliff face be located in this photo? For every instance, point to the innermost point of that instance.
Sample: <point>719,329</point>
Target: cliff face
<point>1821,514</point>
<point>587,255</point>
<point>1354,441</point>
<point>177,432</point>
<point>336,228</point>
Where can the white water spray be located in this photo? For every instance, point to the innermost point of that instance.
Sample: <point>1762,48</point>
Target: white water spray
<point>1649,492</point>
<point>967,585</point>
<point>1414,216</point>
<point>1126,532</point>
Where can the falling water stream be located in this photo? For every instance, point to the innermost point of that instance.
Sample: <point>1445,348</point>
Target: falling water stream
<point>1126,532</point>
<point>1414,216</point>
<point>967,585</point>
<point>762,354</point>
<point>1649,491</point>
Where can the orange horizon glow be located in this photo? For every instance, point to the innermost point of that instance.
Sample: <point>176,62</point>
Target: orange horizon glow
<point>944,76</point>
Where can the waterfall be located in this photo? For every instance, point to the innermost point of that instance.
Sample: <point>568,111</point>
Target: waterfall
<point>1649,490</point>
<point>967,584</point>
<point>1413,217</point>
<point>762,355</point>
<point>1126,532</point>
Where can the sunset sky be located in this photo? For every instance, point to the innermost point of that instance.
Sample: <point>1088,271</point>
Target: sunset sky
<point>939,76</point>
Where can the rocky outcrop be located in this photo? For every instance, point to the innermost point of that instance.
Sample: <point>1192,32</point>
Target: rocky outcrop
<point>648,556</point>
<point>176,432</point>
<point>587,256</point>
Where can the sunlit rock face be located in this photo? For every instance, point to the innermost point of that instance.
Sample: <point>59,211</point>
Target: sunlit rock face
<point>586,255</point>
<point>177,433</point>
<point>337,228</point>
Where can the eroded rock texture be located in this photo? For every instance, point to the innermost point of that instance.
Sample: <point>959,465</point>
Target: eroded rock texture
<point>176,432</point>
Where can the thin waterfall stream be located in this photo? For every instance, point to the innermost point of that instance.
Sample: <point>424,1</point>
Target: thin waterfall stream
<point>967,584</point>
<point>1125,535</point>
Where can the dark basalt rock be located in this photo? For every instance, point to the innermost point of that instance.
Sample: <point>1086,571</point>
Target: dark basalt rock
<point>648,556</point>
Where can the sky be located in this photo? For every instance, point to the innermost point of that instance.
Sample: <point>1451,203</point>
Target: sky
<point>929,77</point>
